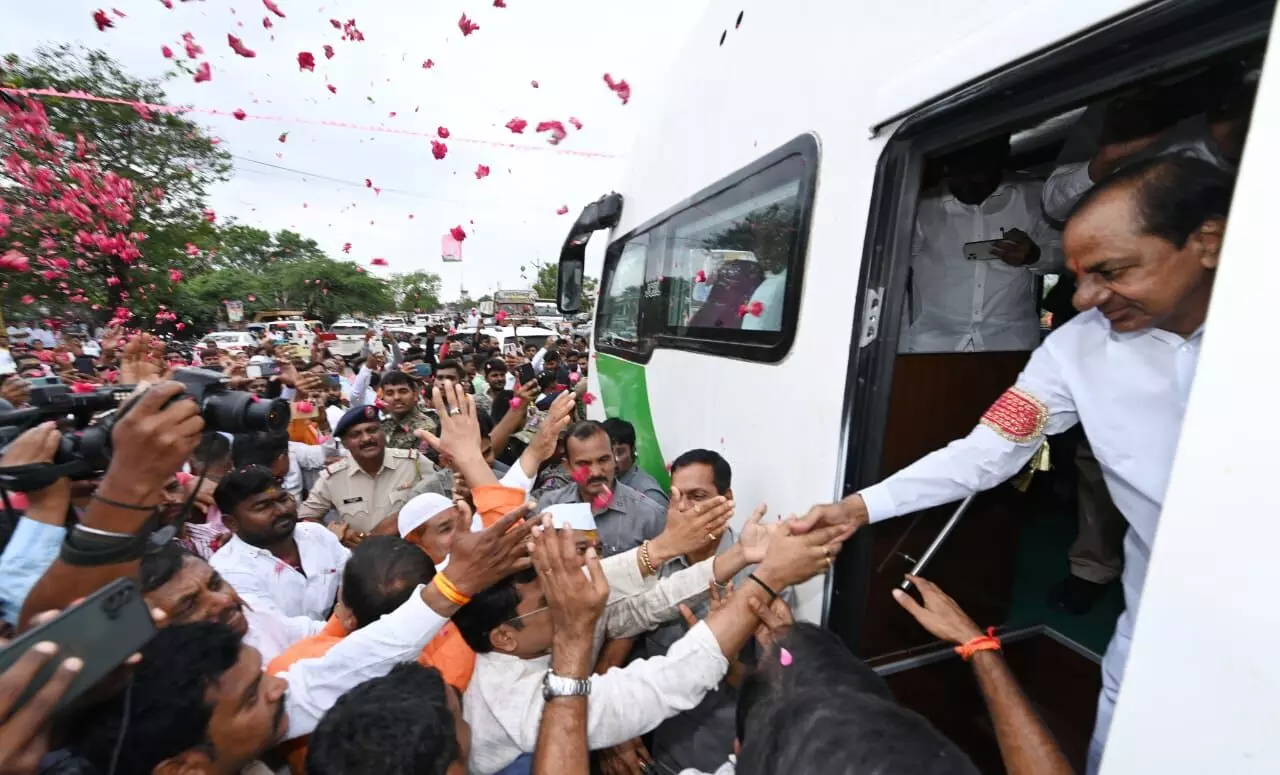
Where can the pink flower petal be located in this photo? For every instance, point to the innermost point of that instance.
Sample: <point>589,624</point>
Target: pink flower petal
<point>273,8</point>
<point>784,657</point>
<point>467,26</point>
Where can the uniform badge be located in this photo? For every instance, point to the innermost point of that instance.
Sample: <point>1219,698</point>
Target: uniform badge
<point>1017,416</point>
<point>349,501</point>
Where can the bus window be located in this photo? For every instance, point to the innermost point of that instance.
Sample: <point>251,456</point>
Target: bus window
<point>729,255</point>
<point>620,302</point>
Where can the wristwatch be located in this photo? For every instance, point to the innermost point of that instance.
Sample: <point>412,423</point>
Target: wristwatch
<point>558,686</point>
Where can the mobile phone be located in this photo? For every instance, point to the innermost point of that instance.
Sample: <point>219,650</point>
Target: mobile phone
<point>254,370</point>
<point>270,369</point>
<point>981,251</point>
<point>422,370</point>
<point>527,373</point>
<point>103,630</point>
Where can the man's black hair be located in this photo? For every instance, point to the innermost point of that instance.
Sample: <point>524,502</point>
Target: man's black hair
<point>495,364</point>
<point>375,379</point>
<point>398,378</point>
<point>168,708</point>
<point>261,448</point>
<point>214,448</point>
<point>827,661</point>
<point>241,485</point>
<point>825,731</point>
<point>382,572</point>
<point>491,608</point>
<point>583,430</point>
<point>620,431</point>
<point>720,468</point>
<point>552,356</point>
<point>1174,195</point>
<point>160,564</point>
<point>399,724</point>
<point>451,363</point>
<point>414,354</point>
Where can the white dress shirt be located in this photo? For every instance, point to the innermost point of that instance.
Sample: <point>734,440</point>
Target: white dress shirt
<point>1130,392</point>
<point>503,702</point>
<point>300,601</point>
<point>369,652</point>
<point>962,305</point>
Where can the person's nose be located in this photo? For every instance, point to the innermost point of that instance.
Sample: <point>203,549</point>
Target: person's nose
<point>1090,292</point>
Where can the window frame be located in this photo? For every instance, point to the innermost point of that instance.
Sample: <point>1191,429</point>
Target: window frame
<point>1151,41</point>
<point>758,346</point>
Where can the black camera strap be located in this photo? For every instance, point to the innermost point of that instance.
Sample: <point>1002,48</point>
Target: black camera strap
<point>35,476</point>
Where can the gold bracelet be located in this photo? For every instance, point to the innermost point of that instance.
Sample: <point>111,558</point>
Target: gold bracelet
<point>646,560</point>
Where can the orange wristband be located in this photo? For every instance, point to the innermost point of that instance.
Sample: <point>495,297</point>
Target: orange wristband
<point>449,591</point>
<point>988,642</point>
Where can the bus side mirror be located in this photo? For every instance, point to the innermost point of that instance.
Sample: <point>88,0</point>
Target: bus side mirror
<point>603,213</point>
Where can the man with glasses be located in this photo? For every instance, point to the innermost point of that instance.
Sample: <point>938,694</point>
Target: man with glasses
<point>275,563</point>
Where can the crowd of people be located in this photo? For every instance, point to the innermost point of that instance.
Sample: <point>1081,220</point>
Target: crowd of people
<point>438,565</point>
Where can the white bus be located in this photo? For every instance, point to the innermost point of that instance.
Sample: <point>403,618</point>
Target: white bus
<point>755,277</point>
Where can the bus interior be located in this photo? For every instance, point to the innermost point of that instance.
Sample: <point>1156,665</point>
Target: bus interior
<point>1196,65</point>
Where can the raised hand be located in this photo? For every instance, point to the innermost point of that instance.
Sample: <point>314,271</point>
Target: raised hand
<point>691,526</point>
<point>151,440</point>
<point>850,514</point>
<point>558,418</point>
<point>480,560</point>
<point>755,535</point>
<point>793,558</point>
<point>576,599</point>
<point>459,427</point>
<point>940,615</point>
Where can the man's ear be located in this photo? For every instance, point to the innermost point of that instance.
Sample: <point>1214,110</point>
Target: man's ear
<point>503,639</point>
<point>1209,238</point>
<point>230,522</point>
<point>185,763</point>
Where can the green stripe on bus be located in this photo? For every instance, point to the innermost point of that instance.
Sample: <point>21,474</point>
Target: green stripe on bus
<point>625,393</point>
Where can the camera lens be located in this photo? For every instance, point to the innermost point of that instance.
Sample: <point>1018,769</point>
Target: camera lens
<point>235,412</point>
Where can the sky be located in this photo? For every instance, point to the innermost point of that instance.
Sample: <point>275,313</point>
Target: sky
<point>313,182</point>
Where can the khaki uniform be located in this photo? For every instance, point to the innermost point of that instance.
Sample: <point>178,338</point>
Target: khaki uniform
<point>399,433</point>
<point>361,500</point>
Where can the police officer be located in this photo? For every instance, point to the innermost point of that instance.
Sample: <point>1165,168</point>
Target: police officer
<point>369,486</point>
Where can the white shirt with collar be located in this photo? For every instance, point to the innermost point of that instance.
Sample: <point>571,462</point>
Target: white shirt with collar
<point>503,702</point>
<point>1129,390</point>
<point>961,305</point>
<point>300,601</point>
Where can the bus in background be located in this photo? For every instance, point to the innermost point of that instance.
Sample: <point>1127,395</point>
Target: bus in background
<point>754,285</point>
<point>516,306</point>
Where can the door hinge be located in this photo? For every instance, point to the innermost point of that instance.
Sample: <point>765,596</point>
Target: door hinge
<point>871,317</point>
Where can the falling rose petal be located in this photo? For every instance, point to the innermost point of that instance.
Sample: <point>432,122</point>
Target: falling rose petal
<point>203,73</point>
<point>193,249</point>
<point>239,114</point>
<point>328,51</point>
<point>346,247</point>
<point>515,402</point>
<point>588,398</point>
<point>332,89</point>
<point>266,23</point>
<point>517,125</point>
<point>581,474</point>
<point>482,171</point>
<point>167,4</point>
<point>360,269</point>
<point>439,149</point>
<point>602,500</point>
<point>467,26</point>
<point>29,299</point>
<point>499,3</point>
<point>103,21</point>
<point>337,25</point>
<point>442,133</point>
<point>501,317</point>
<point>756,308</point>
<point>273,8</point>
<point>306,61</point>
<point>563,209</point>
<point>392,114</point>
<point>168,52</point>
<point>457,233</point>
<point>742,310</point>
<point>427,64</point>
<point>620,88</point>
<point>306,407</point>
<point>210,216</point>
<point>189,43</point>
<point>784,658</point>
<point>251,297</point>
<point>378,262</point>
<point>575,122</point>
<point>240,48</point>
<point>283,136</point>
<point>556,129</point>
<point>534,84</point>
<point>175,276</point>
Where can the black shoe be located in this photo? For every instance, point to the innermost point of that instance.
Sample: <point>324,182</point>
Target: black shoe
<point>1076,596</point>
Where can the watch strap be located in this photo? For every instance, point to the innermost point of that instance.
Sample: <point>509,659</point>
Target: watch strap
<point>559,686</point>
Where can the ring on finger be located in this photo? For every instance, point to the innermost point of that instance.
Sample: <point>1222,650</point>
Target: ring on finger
<point>711,536</point>
<point>454,411</point>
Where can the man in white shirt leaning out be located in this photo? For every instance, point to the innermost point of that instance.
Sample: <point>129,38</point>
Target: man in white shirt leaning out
<point>1144,246</point>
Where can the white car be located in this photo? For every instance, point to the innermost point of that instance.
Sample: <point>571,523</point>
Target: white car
<point>232,341</point>
<point>295,331</point>
<point>350,337</point>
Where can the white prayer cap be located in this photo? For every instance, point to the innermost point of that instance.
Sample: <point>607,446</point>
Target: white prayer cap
<point>576,516</point>
<point>420,510</point>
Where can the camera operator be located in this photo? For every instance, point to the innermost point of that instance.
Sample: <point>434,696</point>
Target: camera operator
<point>38,535</point>
<point>150,441</point>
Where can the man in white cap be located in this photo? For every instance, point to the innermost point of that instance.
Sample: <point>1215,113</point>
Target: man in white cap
<point>430,521</point>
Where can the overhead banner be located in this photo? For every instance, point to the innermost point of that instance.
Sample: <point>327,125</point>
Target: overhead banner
<point>235,311</point>
<point>450,249</point>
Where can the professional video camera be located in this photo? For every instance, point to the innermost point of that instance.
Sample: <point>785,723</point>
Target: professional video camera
<point>87,420</point>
